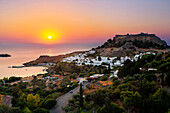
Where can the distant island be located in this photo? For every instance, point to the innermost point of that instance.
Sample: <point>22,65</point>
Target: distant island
<point>5,55</point>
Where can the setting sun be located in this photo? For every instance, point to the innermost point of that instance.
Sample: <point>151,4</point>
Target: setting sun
<point>49,37</point>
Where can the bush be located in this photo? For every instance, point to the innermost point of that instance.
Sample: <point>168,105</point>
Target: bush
<point>103,78</point>
<point>49,103</point>
<point>56,95</point>
<point>116,83</point>
<point>7,109</point>
<point>41,110</point>
<point>88,97</point>
<point>116,94</point>
<point>111,108</point>
<point>26,110</point>
<point>90,74</point>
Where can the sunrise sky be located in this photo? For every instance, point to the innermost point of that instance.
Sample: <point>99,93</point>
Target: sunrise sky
<point>81,21</point>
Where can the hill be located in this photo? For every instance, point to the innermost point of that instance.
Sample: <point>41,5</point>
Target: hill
<point>143,40</point>
<point>129,44</point>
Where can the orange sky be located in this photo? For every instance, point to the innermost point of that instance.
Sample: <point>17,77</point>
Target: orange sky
<point>80,21</point>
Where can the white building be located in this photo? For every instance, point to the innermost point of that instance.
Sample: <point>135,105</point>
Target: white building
<point>81,59</point>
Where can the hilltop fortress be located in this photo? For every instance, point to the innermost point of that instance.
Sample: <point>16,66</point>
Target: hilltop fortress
<point>145,37</point>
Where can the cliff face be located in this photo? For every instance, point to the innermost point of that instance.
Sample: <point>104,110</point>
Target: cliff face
<point>144,37</point>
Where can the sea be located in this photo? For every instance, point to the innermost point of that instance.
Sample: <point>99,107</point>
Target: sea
<point>21,53</point>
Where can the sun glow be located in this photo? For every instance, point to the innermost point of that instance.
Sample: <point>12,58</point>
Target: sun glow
<point>49,37</point>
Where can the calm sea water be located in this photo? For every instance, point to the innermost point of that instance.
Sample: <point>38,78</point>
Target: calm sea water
<point>22,53</point>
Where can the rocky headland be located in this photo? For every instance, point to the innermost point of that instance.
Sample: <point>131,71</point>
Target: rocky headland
<point>49,59</point>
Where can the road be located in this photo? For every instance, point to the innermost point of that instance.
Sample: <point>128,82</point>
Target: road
<point>62,101</point>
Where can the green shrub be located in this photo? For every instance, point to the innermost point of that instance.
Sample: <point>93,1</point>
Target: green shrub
<point>41,110</point>
<point>49,103</point>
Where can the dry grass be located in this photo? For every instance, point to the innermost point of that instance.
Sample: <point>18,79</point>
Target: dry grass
<point>1,98</point>
<point>106,83</point>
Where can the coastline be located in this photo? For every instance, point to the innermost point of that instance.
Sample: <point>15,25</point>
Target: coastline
<point>49,59</point>
<point>52,59</point>
<point>25,71</point>
<point>25,66</point>
<point>37,64</point>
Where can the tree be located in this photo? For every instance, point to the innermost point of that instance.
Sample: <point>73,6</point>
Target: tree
<point>88,86</point>
<point>81,74</point>
<point>116,82</point>
<point>147,88</point>
<point>164,68</point>
<point>103,78</point>
<point>130,98</point>
<point>146,59</point>
<point>88,97</point>
<point>150,77</point>
<point>16,92</point>
<point>110,107</point>
<point>33,100</point>
<point>74,76</point>
<point>99,58</point>
<point>159,57</point>
<point>71,109</point>
<point>81,96</point>
<point>162,78</point>
<point>129,69</point>
<point>65,81</point>
<point>4,109</point>
<point>115,94</point>
<point>109,69</point>
<point>26,110</point>
<point>159,102</point>
<point>13,79</point>
<point>7,109</point>
<point>90,74</point>
<point>99,97</point>
<point>167,79</point>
